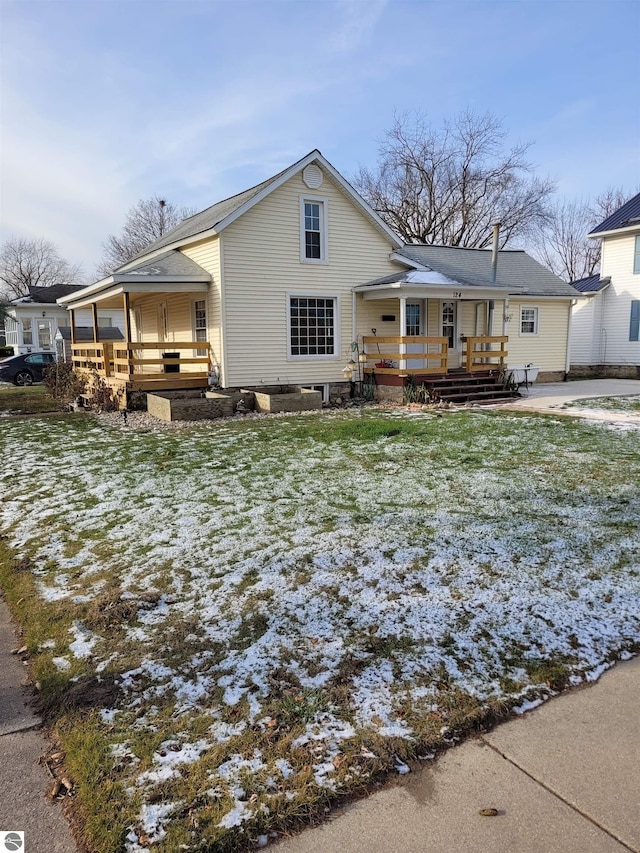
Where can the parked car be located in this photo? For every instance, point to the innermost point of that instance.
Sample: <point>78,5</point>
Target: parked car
<point>25,369</point>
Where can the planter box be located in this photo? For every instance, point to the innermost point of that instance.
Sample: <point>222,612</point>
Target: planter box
<point>247,398</point>
<point>188,406</point>
<point>287,399</point>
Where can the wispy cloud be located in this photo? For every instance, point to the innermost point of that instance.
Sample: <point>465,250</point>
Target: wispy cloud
<point>356,23</point>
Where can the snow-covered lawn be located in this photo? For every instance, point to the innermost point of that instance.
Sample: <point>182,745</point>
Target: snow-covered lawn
<point>258,616</point>
<point>628,405</point>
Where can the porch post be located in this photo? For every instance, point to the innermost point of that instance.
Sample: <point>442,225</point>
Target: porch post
<point>403,329</point>
<point>72,321</point>
<point>127,327</point>
<point>94,316</point>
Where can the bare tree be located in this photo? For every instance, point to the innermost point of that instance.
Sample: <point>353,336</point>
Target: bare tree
<point>33,263</point>
<point>448,185</point>
<point>148,220</point>
<point>563,245</point>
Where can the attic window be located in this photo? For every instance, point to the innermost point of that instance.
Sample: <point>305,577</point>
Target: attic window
<point>313,230</point>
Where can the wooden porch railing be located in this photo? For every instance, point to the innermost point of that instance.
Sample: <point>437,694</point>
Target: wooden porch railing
<point>433,356</point>
<point>124,361</point>
<point>480,354</point>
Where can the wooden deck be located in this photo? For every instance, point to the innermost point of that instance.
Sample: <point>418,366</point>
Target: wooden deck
<point>127,367</point>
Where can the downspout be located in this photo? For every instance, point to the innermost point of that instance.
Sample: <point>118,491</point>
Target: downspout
<point>567,365</point>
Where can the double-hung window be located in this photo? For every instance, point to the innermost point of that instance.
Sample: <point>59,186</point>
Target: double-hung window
<point>313,230</point>
<point>636,255</point>
<point>634,324</point>
<point>312,327</point>
<point>200,323</point>
<point>528,320</point>
<point>27,331</point>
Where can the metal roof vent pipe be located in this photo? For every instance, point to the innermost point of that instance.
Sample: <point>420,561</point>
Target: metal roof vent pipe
<point>494,252</point>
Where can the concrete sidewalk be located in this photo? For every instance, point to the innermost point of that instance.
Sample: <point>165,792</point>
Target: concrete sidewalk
<point>564,778</point>
<point>23,782</point>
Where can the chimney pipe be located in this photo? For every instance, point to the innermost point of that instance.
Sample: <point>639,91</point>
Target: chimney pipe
<point>494,253</point>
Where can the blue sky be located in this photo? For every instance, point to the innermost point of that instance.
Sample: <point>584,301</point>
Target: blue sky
<point>105,102</point>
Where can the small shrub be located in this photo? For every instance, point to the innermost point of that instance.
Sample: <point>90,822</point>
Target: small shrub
<point>62,382</point>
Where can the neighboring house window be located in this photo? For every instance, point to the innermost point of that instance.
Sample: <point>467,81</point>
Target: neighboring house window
<point>27,331</point>
<point>313,230</point>
<point>636,256</point>
<point>312,326</point>
<point>105,322</point>
<point>200,323</point>
<point>528,321</point>
<point>11,327</point>
<point>634,326</point>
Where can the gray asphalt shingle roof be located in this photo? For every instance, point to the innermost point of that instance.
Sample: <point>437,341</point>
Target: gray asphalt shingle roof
<point>516,270</point>
<point>48,295</point>
<point>173,263</point>
<point>628,214</point>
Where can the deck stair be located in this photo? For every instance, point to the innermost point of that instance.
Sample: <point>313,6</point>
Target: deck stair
<point>481,387</point>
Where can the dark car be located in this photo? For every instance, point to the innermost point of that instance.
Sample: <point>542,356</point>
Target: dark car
<point>25,369</point>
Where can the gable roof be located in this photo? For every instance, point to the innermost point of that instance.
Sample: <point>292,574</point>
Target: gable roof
<point>219,216</point>
<point>517,272</point>
<point>591,284</point>
<point>47,295</point>
<point>627,216</point>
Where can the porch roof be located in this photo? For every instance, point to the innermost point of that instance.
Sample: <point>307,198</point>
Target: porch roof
<point>427,283</point>
<point>168,273</point>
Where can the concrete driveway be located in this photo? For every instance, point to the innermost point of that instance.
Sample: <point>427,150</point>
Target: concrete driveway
<point>552,396</point>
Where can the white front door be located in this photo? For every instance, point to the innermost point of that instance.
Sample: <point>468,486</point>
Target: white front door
<point>45,334</point>
<point>448,330</point>
<point>414,326</point>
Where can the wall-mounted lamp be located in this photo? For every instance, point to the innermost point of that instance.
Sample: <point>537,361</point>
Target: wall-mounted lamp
<point>44,313</point>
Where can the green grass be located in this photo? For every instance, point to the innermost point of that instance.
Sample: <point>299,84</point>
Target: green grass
<point>630,405</point>
<point>27,401</point>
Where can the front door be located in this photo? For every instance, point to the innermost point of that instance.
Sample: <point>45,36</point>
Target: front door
<point>45,335</point>
<point>448,327</point>
<point>414,327</point>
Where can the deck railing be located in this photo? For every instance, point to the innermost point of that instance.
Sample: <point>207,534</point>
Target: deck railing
<point>395,355</point>
<point>135,360</point>
<point>479,353</point>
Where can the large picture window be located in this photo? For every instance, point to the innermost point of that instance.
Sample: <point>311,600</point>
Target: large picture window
<point>313,230</point>
<point>312,326</point>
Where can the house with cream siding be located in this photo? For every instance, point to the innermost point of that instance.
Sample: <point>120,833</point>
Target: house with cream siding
<point>298,282</point>
<point>605,336</point>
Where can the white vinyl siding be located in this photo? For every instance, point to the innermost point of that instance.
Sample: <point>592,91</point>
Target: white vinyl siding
<point>262,266</point>
<point>617,263</point>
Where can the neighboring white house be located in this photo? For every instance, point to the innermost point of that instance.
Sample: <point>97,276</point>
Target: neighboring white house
<point>605,332</point>
<point>285,282</point>
<point>32,321</point>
